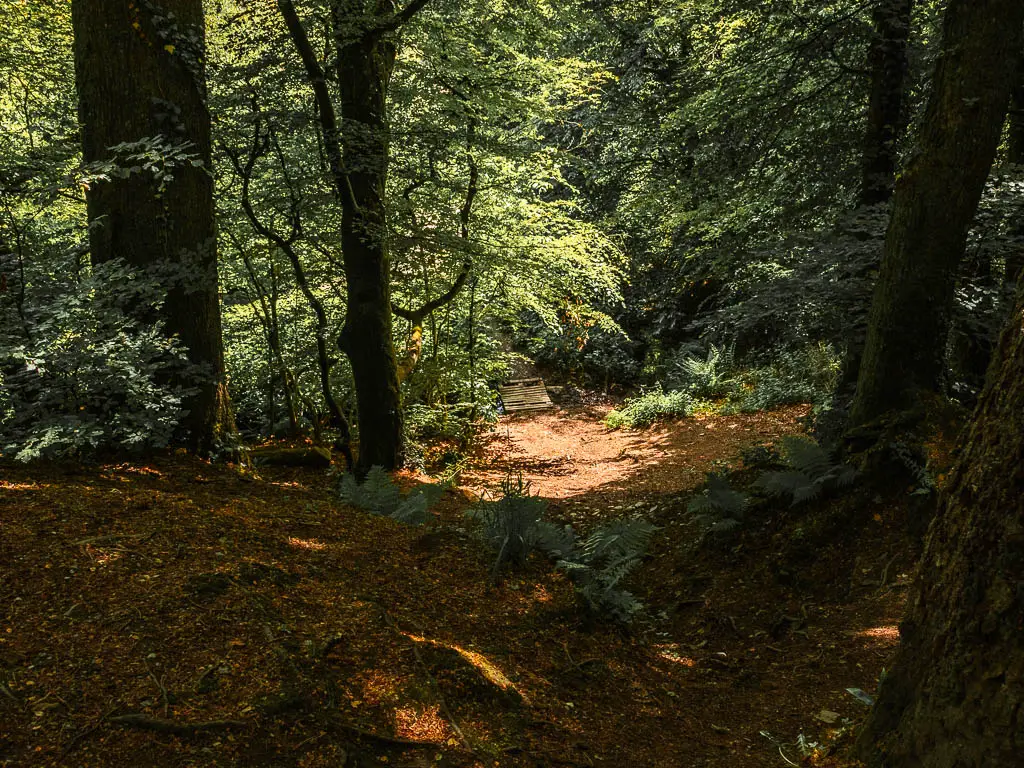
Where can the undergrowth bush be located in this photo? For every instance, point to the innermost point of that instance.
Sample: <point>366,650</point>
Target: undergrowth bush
<point>81,373</point>
<point>514,525</point>
<point>650,406</point>
<point>809,375</point>
<point>379,495</point>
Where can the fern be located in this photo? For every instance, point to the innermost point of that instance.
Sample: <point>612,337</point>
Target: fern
<point>811,473</point>
<point>379,495</point>
<point>513,524</point>
<point>720,508</point>
<point>710,377</point>
<point>603,560</point>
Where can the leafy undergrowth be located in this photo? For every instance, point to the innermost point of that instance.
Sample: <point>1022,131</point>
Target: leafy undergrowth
<point>178,613</point>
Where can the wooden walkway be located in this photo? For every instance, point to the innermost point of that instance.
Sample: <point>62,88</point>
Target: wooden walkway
<point>525,395</point>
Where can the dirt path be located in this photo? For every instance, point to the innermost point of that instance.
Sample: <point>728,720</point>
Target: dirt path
<point>569,456</point>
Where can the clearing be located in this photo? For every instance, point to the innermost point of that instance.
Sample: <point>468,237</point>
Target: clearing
<point>178,613</point>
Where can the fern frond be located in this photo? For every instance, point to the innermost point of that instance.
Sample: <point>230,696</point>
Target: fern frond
<point>806,456</point>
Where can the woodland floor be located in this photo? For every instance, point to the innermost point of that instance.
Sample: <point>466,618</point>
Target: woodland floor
<point>253,620</point>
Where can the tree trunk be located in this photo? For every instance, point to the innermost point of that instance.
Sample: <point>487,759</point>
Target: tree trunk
<point>357,150</point>
<point>955,696</point>
<point>935,201</point>
<point>140,74</point>
<point>1015,155</point>
<point>365,62</point>
<point>887,60</point>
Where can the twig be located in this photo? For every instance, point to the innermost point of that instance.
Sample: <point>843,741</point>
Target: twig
<point>145,723</point>
<point>885,572</point>
<point>6,691</point>
<point>85,732</point>
<point>163,690</point>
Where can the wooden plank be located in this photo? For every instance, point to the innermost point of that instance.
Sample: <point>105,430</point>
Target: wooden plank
<point>525,395</point>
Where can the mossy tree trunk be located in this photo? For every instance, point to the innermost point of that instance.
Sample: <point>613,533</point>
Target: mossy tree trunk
<point>934,203</point>
<point>140,74</point>
<point>955,695</point>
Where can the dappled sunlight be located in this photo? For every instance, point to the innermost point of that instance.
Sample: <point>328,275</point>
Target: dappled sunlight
<point>481,663</point>
<point>7,486</point>
<point>569,457</point>
<point>670,652</point>
<point>421,724</point>
<point>310,544</point>
<point>886,634</point>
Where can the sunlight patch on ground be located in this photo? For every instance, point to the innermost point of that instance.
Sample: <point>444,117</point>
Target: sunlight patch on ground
<point>4,486</point>
<point>312,544</point>
<point>480,662</point>
<point>887,634</point>
<point>421,724</point>
<point>670,652</point>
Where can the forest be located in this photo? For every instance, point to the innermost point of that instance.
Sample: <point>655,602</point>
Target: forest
<point>527,383</point>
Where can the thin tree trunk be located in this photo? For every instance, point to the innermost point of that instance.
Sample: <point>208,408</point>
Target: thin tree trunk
<point>140,74</point>
<point>935,201</point>
<point>887,60</point>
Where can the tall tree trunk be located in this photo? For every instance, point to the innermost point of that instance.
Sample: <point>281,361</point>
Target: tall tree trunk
<point>357,150</point>
<point>887,61</point>
<point>365,62</point>
<point>955,695</point>
<point>140,74</point>
<point>935,201</point>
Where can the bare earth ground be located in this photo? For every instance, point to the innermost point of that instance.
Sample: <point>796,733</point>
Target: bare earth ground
<point>253,620</point>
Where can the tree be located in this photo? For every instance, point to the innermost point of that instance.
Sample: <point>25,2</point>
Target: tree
<point>887,61</point>
<point>956,690</point>
<point>357,151</point>
<point>140,75</point>
<point>934,204</point>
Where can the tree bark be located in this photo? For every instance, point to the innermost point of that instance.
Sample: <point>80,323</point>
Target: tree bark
<point>887,61</point>
<point>357,149</point>
<point>955,695</point>
<point>140,74</point>
<point>935,201</point>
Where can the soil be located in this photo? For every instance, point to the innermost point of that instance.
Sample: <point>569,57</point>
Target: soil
<point>177,613</point>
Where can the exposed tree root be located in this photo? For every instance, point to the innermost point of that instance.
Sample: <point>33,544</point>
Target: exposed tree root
<point>146,723</point>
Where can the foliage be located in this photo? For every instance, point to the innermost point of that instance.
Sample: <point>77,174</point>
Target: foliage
<point>85,369</point>
<point>808,375</point>
<point>378,495</point>
<point>644,410</point>
<point>600,562</point>
<point>512,524</point>
<point>811,472</point>
<point>711,377</point>
<point>720,507</point>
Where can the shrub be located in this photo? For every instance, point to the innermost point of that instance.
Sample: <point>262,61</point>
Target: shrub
<point>644,410</point>
<point>379,495</point>
<point>806,376</point>
<point>811,472</point>
<point>86,374</point>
